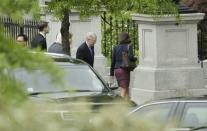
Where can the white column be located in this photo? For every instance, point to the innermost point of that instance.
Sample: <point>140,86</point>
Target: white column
<point>168,58</point>
<point>54,29</point>
<point>79,28</point>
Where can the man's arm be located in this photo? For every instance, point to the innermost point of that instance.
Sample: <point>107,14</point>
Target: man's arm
<point>42,43</point>
<point>33,43</point>
<point>39,42</point>
<point>79,54</point>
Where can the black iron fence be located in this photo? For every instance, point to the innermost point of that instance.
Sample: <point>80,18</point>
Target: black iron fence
<point>112,27</point>
<point>202,39</point>
<point>110,30</point>
<point>13,28</point>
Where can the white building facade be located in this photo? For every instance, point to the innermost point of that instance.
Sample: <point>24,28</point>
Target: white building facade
<point>79,29</point>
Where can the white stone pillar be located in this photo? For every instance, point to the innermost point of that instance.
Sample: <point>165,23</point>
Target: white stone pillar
<point>168,58</point>
<point>79,28</point>
<point>54,29</point>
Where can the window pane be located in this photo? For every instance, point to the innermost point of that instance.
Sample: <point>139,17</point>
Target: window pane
<point>195,115</point>
<point>75,78</point>
<point>158,112</point>
<point>82,79</point>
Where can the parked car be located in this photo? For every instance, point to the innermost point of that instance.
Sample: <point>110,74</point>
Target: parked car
<point>81,83</point>
<point>186,114</point>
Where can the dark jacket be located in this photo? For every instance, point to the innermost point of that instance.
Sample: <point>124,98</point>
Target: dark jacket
<point>84,53</point>
<point>39,41</point>
<point>117,56</point>
<point>56,48</point>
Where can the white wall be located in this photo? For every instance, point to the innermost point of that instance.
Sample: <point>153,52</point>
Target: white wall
<point>78,28</point>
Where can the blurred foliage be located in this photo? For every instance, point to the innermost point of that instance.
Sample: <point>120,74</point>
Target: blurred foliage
<point>17,113</point>
<point>43,117</point>
<point>119,8</point>
<point>88,7</point>
<point>13,56</point>
<point>18,8</point>
<point>155,7</point>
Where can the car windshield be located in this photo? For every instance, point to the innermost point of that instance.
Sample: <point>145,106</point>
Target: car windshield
<point>77,78</point>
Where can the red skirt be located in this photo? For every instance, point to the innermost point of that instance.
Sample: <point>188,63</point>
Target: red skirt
<point>123,77</point>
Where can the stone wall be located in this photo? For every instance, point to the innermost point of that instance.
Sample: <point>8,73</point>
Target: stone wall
<point>168,58</point>
<point>79,28</point>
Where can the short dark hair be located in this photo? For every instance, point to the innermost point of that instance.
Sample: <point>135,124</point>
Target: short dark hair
<point>124,38</point>
<point>25,38</point>
<point>42,25</point>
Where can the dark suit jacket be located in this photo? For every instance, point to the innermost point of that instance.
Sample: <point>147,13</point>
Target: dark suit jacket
<point>84,53</point>
<point>117,56</point>
<point>39,41</point>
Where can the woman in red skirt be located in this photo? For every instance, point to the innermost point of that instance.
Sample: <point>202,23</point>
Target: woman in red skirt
<point>122,75</point>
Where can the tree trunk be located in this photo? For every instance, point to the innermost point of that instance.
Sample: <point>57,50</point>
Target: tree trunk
<point>65,25</point>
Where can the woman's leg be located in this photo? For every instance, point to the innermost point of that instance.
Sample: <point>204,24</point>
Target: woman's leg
<point>125,92</point>
<point>123,78</point>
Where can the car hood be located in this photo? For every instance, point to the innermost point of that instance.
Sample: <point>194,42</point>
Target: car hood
<point>67,104</point>
<point>79,97</point>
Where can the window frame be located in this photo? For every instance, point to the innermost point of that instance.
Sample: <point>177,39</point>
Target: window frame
<point>65,66</point>
<point>172,110</point>
<point>105,89</point>
<point>184,110</point>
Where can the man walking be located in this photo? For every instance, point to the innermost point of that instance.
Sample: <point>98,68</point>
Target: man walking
<point>86,51</point>
<point>40,40</point>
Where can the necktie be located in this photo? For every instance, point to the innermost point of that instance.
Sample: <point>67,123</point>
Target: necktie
<point>91,51</point>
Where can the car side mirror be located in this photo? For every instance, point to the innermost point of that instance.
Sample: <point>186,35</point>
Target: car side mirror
<point>112,86</point>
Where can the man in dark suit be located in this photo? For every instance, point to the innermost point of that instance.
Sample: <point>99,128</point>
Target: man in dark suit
<point>39,41</point>
<point>85,51</point>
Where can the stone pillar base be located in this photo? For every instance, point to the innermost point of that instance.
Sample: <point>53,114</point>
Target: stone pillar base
<point>153,83</point>
<point>100,63</point>
<point>141,96</point>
